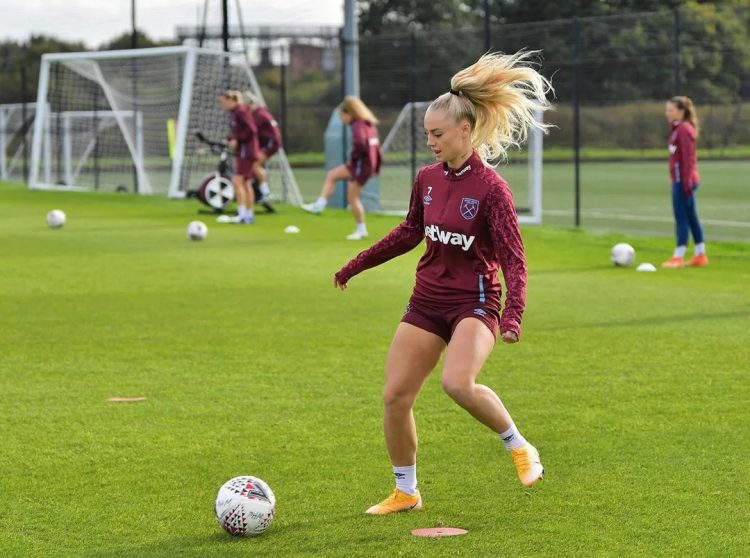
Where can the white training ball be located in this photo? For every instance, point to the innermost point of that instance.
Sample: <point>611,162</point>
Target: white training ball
<point>292,229</point>
<point>245,506</point>
<point>622,254</point>
<point>197,230</point>
<point>56,218</point>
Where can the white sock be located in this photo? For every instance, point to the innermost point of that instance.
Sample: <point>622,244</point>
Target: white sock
<point>406,478</point>
<point>241,209</point>
<point>679,252</point>
<point>700,248</point>
<point>264,189</point>
<point>361,228</point>
<point>249,214</point>
<point>512,438</point>
<point>322,202</point>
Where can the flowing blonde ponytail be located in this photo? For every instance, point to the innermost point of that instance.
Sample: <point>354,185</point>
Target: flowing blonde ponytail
<point>498,95</point>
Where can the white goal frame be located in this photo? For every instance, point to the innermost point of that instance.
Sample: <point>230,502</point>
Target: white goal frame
<point>39,178</point>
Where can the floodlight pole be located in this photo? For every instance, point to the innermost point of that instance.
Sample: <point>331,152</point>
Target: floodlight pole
<point>134,31</point>
<point>225,24</point>
<point>350,39</point>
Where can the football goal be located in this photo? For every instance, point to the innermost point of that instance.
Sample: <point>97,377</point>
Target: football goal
<point>405,152</point>
<point>127,120</point>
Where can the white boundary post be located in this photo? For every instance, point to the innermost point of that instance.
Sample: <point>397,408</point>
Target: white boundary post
<point>183,123</point>
<point>41,109</point>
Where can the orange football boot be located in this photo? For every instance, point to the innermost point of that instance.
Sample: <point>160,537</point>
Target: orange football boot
<point>396,502</point>
<point>701,260</point>
<point>528,464</point>
<point>673,263</point>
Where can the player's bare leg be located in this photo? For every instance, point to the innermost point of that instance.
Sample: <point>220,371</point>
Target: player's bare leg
<point>467,352</point>
<point>245,199</point>
<point>413,355</point>
<point>329,186</point>
<point>354,189</point>
<point>260,174</point>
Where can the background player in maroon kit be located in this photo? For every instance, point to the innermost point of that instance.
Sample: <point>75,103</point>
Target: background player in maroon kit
<point>243,140</point>
<point>269,139</point>
<point>364,161</point>
<point>683,171</point>
<point>465,211</point>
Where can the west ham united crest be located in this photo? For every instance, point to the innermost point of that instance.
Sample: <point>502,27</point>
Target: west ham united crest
<point>469,208</point>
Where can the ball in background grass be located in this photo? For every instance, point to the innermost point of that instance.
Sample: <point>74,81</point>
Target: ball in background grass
<point>245,506</point>
<point>56,218</point>
<point>622,254</point>
<point>197,230</point>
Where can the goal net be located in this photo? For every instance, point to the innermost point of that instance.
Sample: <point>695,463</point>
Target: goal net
<point>405,151</point>
<point>127,120</point>
<point>16,123</point>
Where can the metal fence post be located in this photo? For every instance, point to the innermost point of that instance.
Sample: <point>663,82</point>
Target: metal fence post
<point>24,116</point>
<point>413,100</point>
<point>487,28</point>
<point>676,51</point>
<point>577,115</point>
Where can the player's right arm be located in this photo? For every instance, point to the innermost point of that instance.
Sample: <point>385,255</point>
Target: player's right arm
<point>400,240</point>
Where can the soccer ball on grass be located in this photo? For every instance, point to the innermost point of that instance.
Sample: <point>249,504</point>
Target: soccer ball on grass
<point>622,254</point>
<point>245,506</point>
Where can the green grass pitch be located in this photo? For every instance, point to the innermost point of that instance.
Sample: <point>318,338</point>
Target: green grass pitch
<point>633,386</point>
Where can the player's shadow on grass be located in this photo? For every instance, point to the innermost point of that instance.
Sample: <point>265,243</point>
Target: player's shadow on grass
<point>656,320</point>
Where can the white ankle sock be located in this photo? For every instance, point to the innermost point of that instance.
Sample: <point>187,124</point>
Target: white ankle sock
<point>264,189</point>
<point>241,209</point>
<point>249,214</point>
<point>700,248</point>
<point>512,438</point>
<point>406,478</point>
<point>679,252</point>
<point>322,202</point>
<point>361,228</point>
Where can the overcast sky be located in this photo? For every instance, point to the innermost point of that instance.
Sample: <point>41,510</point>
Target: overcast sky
<point>97,21</point>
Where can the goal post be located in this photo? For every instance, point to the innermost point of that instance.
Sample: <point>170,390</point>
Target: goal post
<point>405,152</point>
<point>126,120</point>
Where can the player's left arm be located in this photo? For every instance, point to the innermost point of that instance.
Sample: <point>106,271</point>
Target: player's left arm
<point>508,245</point>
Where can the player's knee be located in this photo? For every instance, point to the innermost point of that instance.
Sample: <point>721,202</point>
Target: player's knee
<point>396,401</point>
<point>456,387</point>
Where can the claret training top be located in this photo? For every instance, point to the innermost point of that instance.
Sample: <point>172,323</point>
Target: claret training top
<point>469,220</point>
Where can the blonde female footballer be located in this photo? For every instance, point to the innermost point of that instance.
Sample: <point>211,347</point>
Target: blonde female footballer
<point>465,211</point>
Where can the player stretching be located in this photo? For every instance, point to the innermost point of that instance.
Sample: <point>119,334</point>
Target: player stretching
<point>466,212</point>
<point>683,170</point>
<point>364,161</point>
<point>243,140</point>
<point>269,139</point>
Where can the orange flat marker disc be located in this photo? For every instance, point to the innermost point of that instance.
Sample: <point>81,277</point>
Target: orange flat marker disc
<point>126,399</point>
<point>439,532</point>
